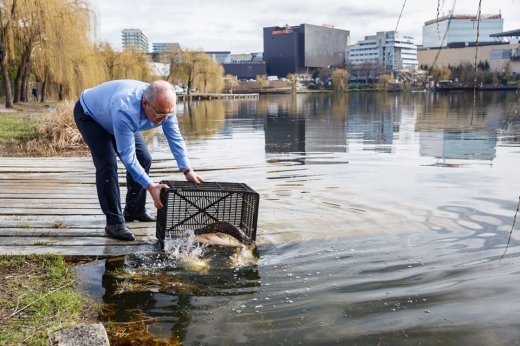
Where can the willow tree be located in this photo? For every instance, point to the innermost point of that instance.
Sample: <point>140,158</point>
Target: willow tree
<point>261,82</point>
<point>123,64</point>
<point>440,73</point>
<point>292,80</point>
<point>66,56</point>
<point>7,12</point>
<point>173,57</point>
<point>230,81</point>
<point>51,39</point>
<point>340,79</point>
<point>191,64</point>
<point>26,36</point>
<point>209,78</point>
<point>383,81</point>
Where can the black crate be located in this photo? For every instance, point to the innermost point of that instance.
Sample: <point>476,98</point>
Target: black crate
<point>188,206</point>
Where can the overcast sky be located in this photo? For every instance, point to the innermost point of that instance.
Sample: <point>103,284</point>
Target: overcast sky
<point>237,25</point>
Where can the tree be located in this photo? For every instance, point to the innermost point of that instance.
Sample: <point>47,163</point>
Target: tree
<point>369,70</point>
<point>7,9</point>
<point>66,56</point>
<point>261,82</point>
<point>340,80</point>
<point>440,73</point>
<point>50,39</point>
<point>383,80</point>
<point>209,78</point>
<point>190,66</point>
<point>173,58</point>
<point>324,74</point>
<point>292,80</point>
<point>230,81</point>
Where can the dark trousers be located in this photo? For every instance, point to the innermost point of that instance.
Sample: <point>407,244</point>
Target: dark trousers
<point>102,146</point>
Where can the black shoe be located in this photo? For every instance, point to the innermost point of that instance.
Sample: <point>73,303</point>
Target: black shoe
<point>144,217</point>
<point>119,231</point>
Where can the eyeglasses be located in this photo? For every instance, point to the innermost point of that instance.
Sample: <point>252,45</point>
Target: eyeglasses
<point>159,115</point>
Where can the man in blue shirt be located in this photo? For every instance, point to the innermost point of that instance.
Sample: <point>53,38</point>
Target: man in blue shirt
<point>110,117</point>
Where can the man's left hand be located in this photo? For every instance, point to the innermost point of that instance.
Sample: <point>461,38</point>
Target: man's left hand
<point>194,177</point>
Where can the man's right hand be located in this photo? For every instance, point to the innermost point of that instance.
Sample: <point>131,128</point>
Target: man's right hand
<point>155,192</point>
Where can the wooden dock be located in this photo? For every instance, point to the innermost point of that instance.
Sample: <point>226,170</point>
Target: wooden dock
<point>50,206</point>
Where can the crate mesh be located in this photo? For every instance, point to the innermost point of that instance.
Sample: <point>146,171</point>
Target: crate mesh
<point>187,206</point>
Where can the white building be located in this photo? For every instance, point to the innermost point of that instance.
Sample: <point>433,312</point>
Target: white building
<point>386,48</point>
<point>461,28</point>
<point>134,40</point>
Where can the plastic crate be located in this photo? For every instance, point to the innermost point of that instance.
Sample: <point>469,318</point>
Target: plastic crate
<point>188,206</point>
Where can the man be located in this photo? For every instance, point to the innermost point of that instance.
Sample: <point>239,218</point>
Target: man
<point>110,118</point>
<point>35,93</point>
<point>2,52</point>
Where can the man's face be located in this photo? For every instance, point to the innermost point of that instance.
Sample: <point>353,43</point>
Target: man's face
<point>162,110</point>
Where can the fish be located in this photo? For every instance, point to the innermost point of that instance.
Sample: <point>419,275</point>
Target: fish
<point>223,233</point>
<point>218,238</point>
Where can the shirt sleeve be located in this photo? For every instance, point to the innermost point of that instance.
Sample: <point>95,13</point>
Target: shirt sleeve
<point>124,132</point>
<point>176,141</point>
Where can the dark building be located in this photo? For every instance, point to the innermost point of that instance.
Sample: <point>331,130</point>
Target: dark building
<point>247,70</point>
<point>303,49</point>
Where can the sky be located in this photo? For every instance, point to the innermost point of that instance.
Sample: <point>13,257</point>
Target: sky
<point>237,25</point>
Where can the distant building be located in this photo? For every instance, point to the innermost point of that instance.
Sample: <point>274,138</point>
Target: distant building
<point>241,58</point>
<point>304,48</point>
<point>220,57</point>
<point>164,47</point>
<point>248,70</point>
<point>243,66</point>
<point>501,56</point>
<point>134,40</point>
<point>461,28</point>
<point>386,48</point>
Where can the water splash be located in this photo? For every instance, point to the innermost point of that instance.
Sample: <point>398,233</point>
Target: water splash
<point>186,251</point>
<point>192,255</point>
<point>244,257</point>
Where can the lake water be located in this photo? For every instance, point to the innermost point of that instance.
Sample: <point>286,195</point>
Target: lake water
<point>382,221</point>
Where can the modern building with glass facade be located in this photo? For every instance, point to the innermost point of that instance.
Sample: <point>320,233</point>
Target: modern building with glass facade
<point>134,40</point>
<point>303,49</point>
<point>386,48</point>
<point>443,31</point>
<point>220,57</point>
<point>164,47</point>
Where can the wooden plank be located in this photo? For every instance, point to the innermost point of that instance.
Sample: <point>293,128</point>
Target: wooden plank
<point>32,195</point>
<point>31,202</point>
<point>100,251</point>
<point>50,206</point>
<point>67,233</point>
<point>56,212</point>
<point>68,241</point>
<point>73,223</point>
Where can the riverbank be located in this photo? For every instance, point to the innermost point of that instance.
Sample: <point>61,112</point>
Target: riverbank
<point>39,296</point>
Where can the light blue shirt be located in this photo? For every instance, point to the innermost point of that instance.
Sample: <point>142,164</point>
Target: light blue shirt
<point>116,105</point>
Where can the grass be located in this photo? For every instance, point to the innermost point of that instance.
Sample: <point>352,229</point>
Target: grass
<point>37,298</point>
<point>14,128</point>
<point>40,130</point>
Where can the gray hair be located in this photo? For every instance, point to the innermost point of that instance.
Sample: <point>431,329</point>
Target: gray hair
<point>159,87</point>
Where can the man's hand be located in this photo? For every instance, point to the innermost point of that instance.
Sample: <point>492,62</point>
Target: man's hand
<point>194,177</point>
<point>155,192</point>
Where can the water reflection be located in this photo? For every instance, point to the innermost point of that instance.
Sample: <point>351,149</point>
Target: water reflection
<point>167,293</point>
<point>450,125</point>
